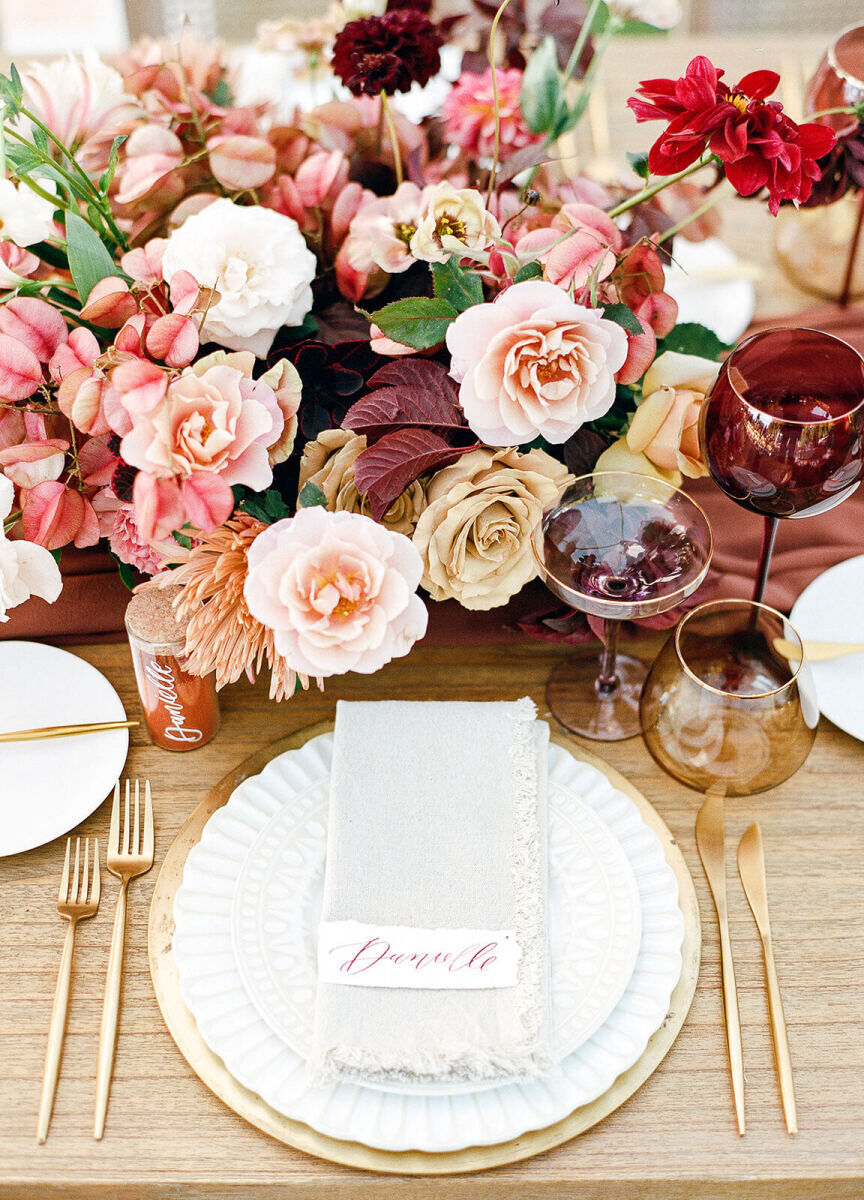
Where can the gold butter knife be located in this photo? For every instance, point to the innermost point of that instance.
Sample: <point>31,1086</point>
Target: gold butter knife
<point>751,868</point>
<point>816,651</point>
<point>710,840</point>
<point>58,731</point>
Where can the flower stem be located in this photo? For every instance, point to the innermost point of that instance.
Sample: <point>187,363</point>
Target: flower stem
<point>394,141</point>
<point>496,149</point>
<point>715,198</point>
<point>584,96</point>
<point>9,521</point>
<point>584,32</point>
<point>846,109</point>
<point>650,191</point>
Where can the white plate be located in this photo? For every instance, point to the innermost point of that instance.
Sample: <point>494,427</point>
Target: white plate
<point>831,609</point>
<point>232,1027</point>
<point>595,923</point>
<point>703,280</point>
<point>47,787</point>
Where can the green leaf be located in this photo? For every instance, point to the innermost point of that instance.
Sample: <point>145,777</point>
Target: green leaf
<point>52,255</point>
<point>540,96</point>
<point>297,332</point>
<point>639,163</point>
<point>221,94</point>
<point>182,539</point>
<point>107,176</point>
<point>56,555</point>
<point>40,139</point>
<point>89,259</point>
<point>268,506</point>
<point>311,496</point>
<point>458,286</point>
<point>531,270</point>
<point>127,574</point>
<point>420,321</point>
<point>691,338</point>
<point>11,91</point>
<point>621,315</point>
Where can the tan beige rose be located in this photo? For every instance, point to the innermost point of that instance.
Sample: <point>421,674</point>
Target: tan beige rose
<point>328,462</point>
<point>452,221</point>
<point>663,438</point>
<point>475,536</point>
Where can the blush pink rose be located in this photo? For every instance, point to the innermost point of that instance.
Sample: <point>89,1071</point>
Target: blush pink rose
<point>338,590</point>
<point>220,422</point>
<point>534,363</point>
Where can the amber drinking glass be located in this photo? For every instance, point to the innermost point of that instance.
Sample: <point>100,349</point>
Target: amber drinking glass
<point>617,546</point>
<point>782,428</point>
<point>722,709</point>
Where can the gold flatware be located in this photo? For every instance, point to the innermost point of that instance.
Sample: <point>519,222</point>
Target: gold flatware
<point>58,731</point>
<point>817,651</point>
<point>128,856</point>
<point>78,899</point>
<point>710,840</point>
<point>751,868</point>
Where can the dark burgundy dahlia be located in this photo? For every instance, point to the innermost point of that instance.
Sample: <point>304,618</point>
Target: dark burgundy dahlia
<point>387,54</point>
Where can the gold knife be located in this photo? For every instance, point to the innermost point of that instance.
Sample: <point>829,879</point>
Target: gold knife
<point>751,868</point>
<point>58,731</point>
<point>710,840</point>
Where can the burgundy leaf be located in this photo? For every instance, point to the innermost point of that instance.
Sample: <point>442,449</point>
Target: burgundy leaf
<point>522,160</point>
<point>384,471</point>
<point>582,450</point>
<point>411,393</point>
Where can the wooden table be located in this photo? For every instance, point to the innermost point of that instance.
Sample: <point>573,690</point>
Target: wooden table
<point>167,1136</point>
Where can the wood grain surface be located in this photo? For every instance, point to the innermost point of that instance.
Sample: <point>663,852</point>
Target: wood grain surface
<point>168,1136</point>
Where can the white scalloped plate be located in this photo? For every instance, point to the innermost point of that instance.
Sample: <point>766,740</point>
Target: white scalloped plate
<point>233,1027</point>
<point>594,905</point>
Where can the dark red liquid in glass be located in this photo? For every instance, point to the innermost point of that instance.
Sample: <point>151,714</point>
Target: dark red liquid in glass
<point>782,429</point>
<point>614,551</point>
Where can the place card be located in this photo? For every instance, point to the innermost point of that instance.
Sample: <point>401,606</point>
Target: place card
<point>358,954</point>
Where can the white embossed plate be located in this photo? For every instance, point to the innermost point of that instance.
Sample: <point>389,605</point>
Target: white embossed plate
<point>259,1058</point>
<point>594,905</point>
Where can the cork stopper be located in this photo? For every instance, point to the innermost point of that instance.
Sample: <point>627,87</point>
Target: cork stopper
<point>151,619</point>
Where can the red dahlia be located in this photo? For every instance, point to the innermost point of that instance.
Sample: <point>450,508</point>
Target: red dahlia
<point>387,54</point>
<point>759,145</point>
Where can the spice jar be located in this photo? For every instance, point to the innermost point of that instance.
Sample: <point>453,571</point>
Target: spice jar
<point>180,710</point>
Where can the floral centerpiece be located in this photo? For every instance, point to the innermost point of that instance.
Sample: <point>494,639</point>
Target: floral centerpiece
<point>303,364</point>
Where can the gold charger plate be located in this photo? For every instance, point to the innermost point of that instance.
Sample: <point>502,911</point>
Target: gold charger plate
<point>211,1070</point>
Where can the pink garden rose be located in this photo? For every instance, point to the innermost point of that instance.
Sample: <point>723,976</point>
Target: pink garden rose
<point>220,422</point>
<point>338,590</point>
<point>534,363</point>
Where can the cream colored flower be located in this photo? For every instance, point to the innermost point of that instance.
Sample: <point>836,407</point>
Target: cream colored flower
<point>663,438</point>
<point>328,463</point>
<point>475,535</point>
<point>453,222</point>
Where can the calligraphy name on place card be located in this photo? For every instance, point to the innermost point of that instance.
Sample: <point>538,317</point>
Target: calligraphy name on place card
<point>398,956</point>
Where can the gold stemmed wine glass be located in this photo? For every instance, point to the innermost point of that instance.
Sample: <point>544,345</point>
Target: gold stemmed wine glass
<point>617,546</point>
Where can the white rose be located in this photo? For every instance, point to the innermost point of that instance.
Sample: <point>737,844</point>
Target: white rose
<point>259,263</point>
<point>25,218</point>
<point>25,569</point>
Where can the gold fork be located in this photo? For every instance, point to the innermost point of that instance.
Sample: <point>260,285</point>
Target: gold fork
<point>127,857</point>
<point>78,899</point>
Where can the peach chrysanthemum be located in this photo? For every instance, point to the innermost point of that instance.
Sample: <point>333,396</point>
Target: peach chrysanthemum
<point>222,635</point>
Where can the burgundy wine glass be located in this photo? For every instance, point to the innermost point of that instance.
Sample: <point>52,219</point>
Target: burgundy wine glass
<point>617,546</point>
<point>782,428</point>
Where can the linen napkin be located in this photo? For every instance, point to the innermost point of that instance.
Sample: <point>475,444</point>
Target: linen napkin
<point>437,826</point>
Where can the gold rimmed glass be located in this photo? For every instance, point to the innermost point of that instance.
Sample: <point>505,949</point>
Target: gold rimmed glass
<point>722,708</point>
<point>616,546</point>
